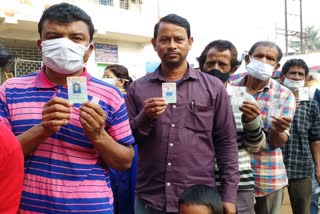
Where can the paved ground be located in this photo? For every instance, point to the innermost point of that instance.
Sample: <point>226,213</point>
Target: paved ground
<point>286,207</point>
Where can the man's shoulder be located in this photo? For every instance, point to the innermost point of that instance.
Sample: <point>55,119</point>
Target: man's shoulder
<point>21,81</point>
<point>279,88</point>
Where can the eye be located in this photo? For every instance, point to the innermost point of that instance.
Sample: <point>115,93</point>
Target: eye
<point>163,40</point>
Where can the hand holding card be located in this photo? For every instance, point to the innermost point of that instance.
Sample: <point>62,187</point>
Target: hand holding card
<point>77,89</point>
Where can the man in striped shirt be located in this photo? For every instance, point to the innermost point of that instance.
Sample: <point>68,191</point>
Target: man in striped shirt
<point>68,147</point>
<point>219,58</point>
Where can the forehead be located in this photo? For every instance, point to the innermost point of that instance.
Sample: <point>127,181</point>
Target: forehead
<point>109,73</point>
<point>266,50</point>
<point>65,28</point>
<point>297,69</point>
<point>194,209</point>
<point>166,29</point>
<point>215,53</point>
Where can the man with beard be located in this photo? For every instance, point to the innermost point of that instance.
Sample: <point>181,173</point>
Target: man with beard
<point>180,140</point>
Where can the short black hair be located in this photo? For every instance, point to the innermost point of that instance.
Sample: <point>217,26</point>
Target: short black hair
<point>66,13</point>
<point>173,19</point>
<point>120,72</point>
<point>220,45</point>
<point>5,57</point>
<point>295,62</point>
<point>266,44</point>
<point>201,194</point>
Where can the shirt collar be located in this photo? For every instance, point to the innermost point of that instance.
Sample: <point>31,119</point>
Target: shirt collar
<point>265,88</point>
<point>191,73</point>
<point>42,80</point>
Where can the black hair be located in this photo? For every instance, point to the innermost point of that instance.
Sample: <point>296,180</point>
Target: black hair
<point>5,57</point>
<point>120,72</point>
<point>220,45</point>
<point>202,195</point>
<point>294,62</point>
<point>66,13</point>
<point>266,44</point>
<point>173,19</point>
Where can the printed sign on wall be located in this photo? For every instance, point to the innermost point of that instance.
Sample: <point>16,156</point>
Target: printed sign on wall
<point>106,53</point>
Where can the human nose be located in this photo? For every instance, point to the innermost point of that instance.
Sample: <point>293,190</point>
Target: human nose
<point>216,66</point>
<point>296,76</point>
<point>172,44</point>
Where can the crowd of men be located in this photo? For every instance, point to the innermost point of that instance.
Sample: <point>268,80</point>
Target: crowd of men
<point>248,138</point>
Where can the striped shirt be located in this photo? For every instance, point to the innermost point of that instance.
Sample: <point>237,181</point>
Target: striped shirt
<point>250,138</point>
<point>268,168</point>
<point>305,129</point>
<point>64,173</point>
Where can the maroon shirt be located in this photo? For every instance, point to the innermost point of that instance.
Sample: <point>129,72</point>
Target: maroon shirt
<point>179,148</point>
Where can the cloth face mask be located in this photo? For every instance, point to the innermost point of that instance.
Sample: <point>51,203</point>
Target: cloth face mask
<point>221,76</point>
<point>111,81</point>
<point>293,85</point>
<point>63,56</point>
<point>259,70</point>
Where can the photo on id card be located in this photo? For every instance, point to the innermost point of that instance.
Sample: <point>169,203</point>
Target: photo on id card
<point>169,92</point>
<point>77,89</point>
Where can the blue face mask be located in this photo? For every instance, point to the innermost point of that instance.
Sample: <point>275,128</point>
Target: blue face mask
<point>111,81</point>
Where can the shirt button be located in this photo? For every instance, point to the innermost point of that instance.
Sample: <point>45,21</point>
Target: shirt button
<point>171,144</point>
<point>168,184</point>
<point>174,106</point>
<point>169,164</point>
<point>173,125</point>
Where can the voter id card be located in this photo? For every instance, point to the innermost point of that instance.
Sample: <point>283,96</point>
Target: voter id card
<point>169,92</point>
<point>238,95</point>
<point>77,89</point>
<point>275,108</point>
<point>304,94</point>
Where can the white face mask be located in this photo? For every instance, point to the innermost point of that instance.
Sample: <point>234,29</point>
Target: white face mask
<point>293,85</point>
<point>63,56</point>
<point>110,80</point>
<point>259,70</point>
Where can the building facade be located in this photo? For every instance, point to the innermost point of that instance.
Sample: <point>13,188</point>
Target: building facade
<point>122,30</point>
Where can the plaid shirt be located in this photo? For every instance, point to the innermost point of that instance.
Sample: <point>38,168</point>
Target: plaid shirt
<point>268,168</point>
<point>305,129</point>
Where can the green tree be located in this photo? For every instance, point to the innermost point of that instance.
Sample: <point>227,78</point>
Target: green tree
<point>311,40</point>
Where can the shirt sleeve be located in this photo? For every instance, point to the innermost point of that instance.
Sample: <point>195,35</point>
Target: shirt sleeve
<point>314,130</point>
<point>254,138</point>
<point>119,128</point>
<point>4,112</point>
<point>226,147</point>
<point>316,96</point>
<point>139,122</point>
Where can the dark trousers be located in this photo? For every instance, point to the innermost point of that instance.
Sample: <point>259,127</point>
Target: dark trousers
<point>269,204</point>
<point>300,192</point>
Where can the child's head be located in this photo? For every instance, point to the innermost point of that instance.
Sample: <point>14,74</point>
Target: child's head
<point>200,199</point>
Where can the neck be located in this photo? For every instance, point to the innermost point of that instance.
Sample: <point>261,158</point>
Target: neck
<point>59,79</point>
<point>253,85</point>
<point>174,74</point>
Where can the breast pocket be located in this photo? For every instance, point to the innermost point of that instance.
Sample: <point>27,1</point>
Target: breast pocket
<point>200,118</point>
